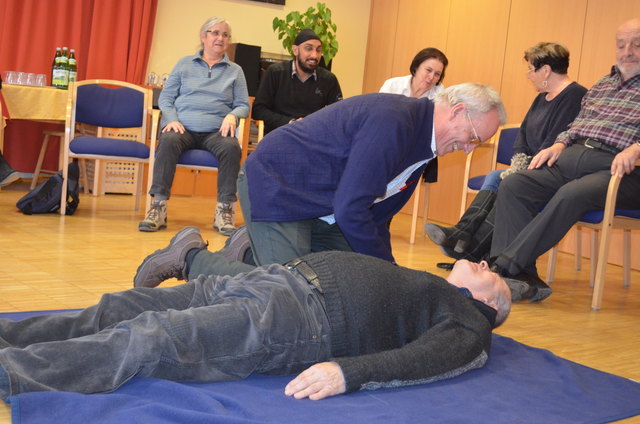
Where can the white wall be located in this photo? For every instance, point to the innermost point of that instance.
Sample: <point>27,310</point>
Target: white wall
<point>178,22</point>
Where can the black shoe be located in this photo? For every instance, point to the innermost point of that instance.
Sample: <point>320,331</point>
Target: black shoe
<point>237,245</point>
<point>170,262</point>
<point>445,265</point>
<point>9,177</point>
<point>448,251</point>
<point>539,289</point>
<point>440,235</point>
<point>524,286</point>
<point>7,173</point>
<point>519,289</point>
<point>461,246</point>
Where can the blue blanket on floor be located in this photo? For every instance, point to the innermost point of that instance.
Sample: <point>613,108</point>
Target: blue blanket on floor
<point>519,384</point>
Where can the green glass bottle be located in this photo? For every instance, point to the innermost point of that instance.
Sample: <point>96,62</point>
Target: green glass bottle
<point>64,68</point>
<point>54,66</point>
<point>73,67</point>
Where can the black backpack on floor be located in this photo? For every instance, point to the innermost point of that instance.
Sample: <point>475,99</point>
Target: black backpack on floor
<point>45,198</point>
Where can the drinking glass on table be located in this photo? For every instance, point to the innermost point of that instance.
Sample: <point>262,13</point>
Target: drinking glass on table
<point>41,80</point>
<point>10,77</point>
<point>152,79</point>
<point>22,78</point>
<point>31,79</point>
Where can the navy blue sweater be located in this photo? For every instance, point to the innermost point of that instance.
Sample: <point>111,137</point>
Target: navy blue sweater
<point>338,161</point>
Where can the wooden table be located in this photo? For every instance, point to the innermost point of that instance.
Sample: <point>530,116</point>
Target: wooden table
<point>43,104</point>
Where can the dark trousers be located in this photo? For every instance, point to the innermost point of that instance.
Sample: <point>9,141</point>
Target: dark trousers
<point>577,183</point>
<point>172,144</point>
<point>281,242</point>
<point>269,320</point>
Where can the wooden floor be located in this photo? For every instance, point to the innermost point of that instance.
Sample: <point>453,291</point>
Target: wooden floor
<point>49,262</point>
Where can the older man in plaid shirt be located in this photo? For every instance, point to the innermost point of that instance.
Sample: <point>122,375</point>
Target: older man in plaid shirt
<point>571,177</point>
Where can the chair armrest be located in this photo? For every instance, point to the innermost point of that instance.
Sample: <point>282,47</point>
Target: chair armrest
<point>260,129</point>
<point>155,123</point>
<point>491,143</point>
<point>69,117</point>
<point>612,197</point>
<point>244,132</point>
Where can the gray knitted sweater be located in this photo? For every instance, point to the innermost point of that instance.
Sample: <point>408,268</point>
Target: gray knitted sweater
<point>392,326</point>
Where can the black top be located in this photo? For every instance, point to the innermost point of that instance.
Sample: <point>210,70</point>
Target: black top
<point>546,119</point>
<point>394,326</point>
<point>283,97</point>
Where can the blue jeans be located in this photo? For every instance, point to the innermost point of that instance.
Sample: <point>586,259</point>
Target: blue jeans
<point>172,144</point>
<point>268,321</point>
<point>281,242</point>
<point>492,180</point>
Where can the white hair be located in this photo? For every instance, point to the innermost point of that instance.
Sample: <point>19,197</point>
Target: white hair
<point>478,98</point>
<point>503,302</point>
<point>214,20</point>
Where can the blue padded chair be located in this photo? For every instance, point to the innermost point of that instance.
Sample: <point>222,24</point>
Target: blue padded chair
<point>203,160</point>
<point>120,113</point>
<point>200,159</point>
<point>502,143</point>
<point>603,221</point>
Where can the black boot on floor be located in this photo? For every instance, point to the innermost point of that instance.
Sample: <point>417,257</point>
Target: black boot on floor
<point>460,235</point>
<point>7,173</point>
<point>472,219</point>
<point>442,236</point>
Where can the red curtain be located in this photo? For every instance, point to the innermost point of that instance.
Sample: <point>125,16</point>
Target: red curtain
<point>120,40</point>
<point>112,40</point>
<point>32,29</point>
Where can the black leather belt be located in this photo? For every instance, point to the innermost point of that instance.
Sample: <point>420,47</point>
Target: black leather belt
<point>306,272</point>
<point>598,145</point>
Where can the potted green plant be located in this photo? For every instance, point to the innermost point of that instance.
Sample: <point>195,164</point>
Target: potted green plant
<point>319,20</point>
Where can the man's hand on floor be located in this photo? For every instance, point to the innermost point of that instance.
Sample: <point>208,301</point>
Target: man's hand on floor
<point>317,382</point>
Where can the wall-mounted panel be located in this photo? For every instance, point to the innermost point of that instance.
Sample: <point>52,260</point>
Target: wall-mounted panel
<point>531,23</point>
<point>602,19</point>
<point>420,24</point>
<point>381,44</point>
<point>476,40</point>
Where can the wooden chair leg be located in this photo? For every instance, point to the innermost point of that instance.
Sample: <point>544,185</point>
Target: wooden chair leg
<point>425,209</point>
<point>97,177</point>
<point>626,260</point>
<point>594,257</point>
<point>83,175</point>
<point>414,214</point>
<point>551,264</point>
<point>138,184</point>
<point>578,257</point>
<point>605,240</point>
<point>43,152</point>
<point>598,286</point>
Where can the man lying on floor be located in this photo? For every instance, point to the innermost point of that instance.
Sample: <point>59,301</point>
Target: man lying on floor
<point>343,320</point>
